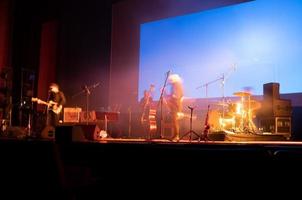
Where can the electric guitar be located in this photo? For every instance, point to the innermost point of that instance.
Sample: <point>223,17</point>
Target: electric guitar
<point>53,106</point>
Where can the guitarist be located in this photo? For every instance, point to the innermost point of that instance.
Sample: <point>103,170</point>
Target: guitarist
<point>57,99</point>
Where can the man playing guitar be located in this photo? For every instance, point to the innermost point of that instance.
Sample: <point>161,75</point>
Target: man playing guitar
<point>56,101</point>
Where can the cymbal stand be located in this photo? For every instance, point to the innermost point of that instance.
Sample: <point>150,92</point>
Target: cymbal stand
<point>222,79</point>
<point>223,95</point>
<point>242,124</point>
<point>206,85</point>
<point>251,126</point>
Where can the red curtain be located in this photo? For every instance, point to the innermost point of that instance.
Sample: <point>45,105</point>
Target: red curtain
<point>4,32</point>
<point>48,58</point>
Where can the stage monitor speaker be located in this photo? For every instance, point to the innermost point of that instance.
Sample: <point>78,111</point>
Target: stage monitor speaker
<point>90,132</point>
<point>271,91</point>
<point>63,134</point>
<point>77,133</point>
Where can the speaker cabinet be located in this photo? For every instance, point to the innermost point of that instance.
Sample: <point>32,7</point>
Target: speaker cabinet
<point>90,132</point>
<point>272,105</point>
<point>80,133</point>
<point>276,108</point>
<point>277,125</point>
<point>271,91</point>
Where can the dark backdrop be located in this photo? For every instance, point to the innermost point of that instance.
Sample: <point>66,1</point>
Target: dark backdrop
<point>83,46</point>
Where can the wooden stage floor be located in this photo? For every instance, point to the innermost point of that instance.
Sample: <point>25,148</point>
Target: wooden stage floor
<point>85,169</point>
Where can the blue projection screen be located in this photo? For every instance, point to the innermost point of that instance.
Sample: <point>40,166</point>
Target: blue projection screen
<point>247,45</point>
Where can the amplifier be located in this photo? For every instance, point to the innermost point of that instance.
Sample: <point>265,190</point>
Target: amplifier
<point>276,125</point>
<point>277,108</point>
<point>271,91</point>
<point>72,115</point>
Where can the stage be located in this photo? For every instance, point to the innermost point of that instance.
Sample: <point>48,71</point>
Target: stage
<point>87,169</point>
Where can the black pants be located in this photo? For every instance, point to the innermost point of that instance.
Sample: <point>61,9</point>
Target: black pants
<point>52,119</point>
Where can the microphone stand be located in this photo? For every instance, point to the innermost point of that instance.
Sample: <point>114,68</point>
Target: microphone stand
<point>160,103</point>
<point>209,83</point>
<point>87,91</point>
<point>222,78</point>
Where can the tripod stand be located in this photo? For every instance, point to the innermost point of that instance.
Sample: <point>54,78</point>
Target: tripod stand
<point>190,132</point>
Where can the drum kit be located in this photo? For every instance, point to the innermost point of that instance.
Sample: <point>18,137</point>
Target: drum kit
<point>235,117</point>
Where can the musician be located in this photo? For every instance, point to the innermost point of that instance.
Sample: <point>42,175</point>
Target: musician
<point>148,113</point>
<point>145,103</point>
<point>57,99</point>
<point>174,101</point>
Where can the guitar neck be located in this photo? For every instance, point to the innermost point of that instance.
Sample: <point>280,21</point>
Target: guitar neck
<point>39,101</point>
<point>53,105</point>
<point>43,102</point>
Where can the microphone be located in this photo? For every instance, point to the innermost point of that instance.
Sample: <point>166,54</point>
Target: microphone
<point>96,85</point>
<point>86,89</point>
<point>191,108</point>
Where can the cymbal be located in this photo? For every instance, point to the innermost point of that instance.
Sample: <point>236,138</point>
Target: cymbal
<point>253,103</point>
<point>242,94</point>
<point>222,104</point>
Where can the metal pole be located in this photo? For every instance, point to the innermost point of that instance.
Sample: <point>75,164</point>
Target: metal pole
<point>87,102</point>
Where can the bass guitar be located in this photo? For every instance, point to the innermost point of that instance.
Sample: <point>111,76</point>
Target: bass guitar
<point>148,108</point>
